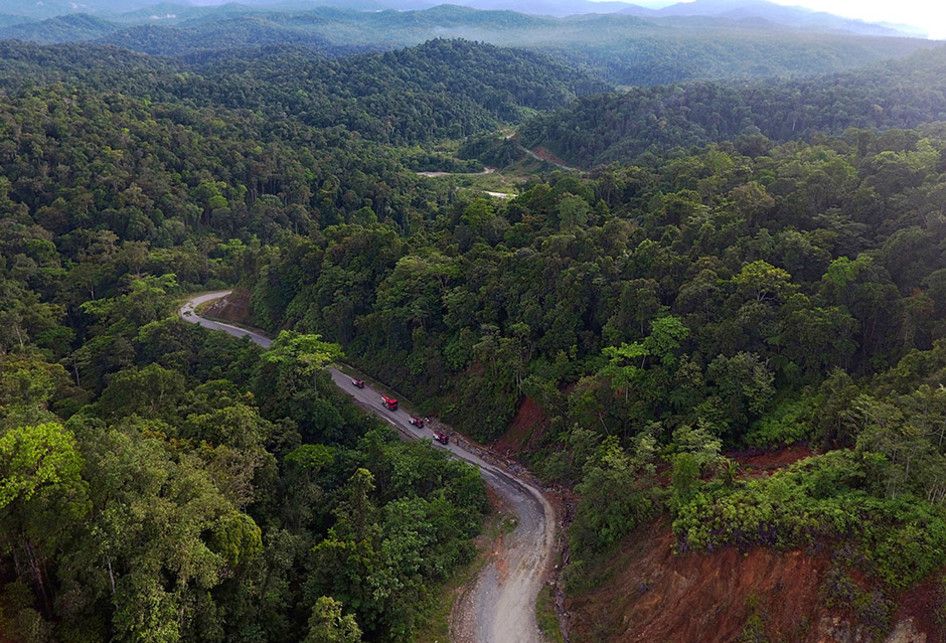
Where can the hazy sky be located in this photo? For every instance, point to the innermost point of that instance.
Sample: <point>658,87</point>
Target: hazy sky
<point>930,15</point>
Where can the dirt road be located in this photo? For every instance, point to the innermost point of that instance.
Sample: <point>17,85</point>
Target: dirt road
<point>500,607</point>
<point>511,136</point>
<point>433,175</point>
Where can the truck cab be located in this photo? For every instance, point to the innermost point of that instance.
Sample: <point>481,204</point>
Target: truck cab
<point>389,403</point>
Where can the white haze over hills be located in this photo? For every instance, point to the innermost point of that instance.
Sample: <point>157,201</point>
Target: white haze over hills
<point>928,16</point>
<point>870,17</point>
<point>914,16</point>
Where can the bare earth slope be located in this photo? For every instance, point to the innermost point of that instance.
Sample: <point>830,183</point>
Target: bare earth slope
<point>500,607</point>
<point>648,593</point>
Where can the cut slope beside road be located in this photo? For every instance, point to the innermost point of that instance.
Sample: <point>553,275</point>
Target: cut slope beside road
<point>500,607</point>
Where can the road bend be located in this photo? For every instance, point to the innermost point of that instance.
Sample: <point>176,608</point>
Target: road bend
<point>500,606</point>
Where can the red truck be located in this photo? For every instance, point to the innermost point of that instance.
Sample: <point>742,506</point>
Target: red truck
<point>441,437</point>
<point>389,403</point>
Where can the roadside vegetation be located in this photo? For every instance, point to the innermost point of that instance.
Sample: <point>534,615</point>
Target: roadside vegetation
<point>546,616</point>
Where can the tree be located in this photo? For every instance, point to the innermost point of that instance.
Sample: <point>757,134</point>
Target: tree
<point>572,212</point>
<point>816,339</point>
<point>150,392</point>
<point>615,493</point>
<point>357,512</point>
<point>743,385</point>
<point>763,282</point>
<point>751,200</point>
<point>913,464</point>
<point>163,536</point>
<point>300,358</point>
<point>28,387</point>
<point>328,625</point>
<point>42,499</point>
<point>146,299</point>
<point>626,363</point>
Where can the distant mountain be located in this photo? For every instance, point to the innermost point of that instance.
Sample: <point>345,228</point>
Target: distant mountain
<point>755,12</point>
<point>620,48</point>
<point>558,8</point>
<point>8,20</point>
<point>68,28</point>
<point>168,12</point>
<point>771,12</point>
<point>232,33</point>
<point>39,9</point>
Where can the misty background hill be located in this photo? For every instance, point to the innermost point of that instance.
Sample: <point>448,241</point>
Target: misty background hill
<point>708,39</point>
<point>736,10</point>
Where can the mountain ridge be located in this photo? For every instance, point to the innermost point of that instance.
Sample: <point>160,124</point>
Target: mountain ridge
<point>146,10</point>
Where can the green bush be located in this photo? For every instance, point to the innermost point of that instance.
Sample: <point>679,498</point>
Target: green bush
<point>825,497</point>
<point>788,423</point>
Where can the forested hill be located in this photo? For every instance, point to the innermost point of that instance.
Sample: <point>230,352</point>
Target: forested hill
<point>225,35</point>
<point>623,49</point>
<point>26,64</point>
<point>67,28</point>
<point>620,127</point>
<point>440,89</point>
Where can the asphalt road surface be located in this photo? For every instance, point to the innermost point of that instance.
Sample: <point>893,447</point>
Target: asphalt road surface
<point>500,606</point>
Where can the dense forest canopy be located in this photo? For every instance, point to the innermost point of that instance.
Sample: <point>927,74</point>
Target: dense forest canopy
<point>159,482</point>
<point>623,126</point>
<point>737,282</point>
<point>441,89</point>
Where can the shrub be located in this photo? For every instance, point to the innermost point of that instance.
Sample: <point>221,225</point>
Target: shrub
<point>788,423</point>
<point>903,539</point>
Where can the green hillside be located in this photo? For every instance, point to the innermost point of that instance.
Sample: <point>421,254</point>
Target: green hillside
<point>623,126</point>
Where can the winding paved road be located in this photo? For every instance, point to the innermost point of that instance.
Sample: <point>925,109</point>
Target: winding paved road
<point>500,607</point>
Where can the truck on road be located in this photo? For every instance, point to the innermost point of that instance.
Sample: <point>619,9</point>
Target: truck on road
<point>389,403</point>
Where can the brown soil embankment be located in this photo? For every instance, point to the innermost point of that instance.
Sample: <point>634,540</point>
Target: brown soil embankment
<point>234,308</point>
<point>526,431</point>
<point>653,594</point>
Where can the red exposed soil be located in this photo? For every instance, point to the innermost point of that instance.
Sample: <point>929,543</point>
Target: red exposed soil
<point>756,463</point>
<point>525,432</point>
<point>653,594</point>
<point>547,155</point>
<point>235,307</point>
<point>646,592</point>
<point>922,604</point>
